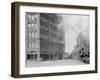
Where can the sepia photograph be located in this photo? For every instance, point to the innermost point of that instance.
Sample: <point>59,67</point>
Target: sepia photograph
<point>56,39</point>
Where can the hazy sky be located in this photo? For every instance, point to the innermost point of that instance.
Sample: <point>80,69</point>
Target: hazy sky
<point>73,25</point>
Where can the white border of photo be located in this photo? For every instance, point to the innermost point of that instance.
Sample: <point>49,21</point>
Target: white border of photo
<point>52,69</point>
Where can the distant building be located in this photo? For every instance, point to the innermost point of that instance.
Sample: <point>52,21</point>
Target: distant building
<point>81,50</point>
<point>43,39</point>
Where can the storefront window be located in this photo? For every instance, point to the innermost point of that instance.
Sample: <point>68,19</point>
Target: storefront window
<point>31,56</point>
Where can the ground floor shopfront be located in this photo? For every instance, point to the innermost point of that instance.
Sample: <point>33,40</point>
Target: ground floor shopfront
<point>44,56</point>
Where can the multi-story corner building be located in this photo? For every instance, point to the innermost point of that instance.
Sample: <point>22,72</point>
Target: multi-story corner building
<point>44,40</point>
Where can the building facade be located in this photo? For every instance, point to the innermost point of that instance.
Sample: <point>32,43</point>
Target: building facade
<point>43,40</point>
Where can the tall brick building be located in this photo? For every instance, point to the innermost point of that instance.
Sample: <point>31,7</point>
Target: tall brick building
<point>43,39</point>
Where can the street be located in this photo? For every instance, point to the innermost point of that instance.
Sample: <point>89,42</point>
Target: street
<point>55,63</point>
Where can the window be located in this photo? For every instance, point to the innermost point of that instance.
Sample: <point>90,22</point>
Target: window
<point>36,35</point>
<point>29,56</point>
<point>33,26</point>
<point>30,45</point>
<point>29,19</point>
<point>41,20</point>
<point>32,56</point>
<point>32,35</point>
<point>29,35</point>
<point>37,45</point>
<point>27,44</point>
<point>33,45</point>
<point>34,19</point>
<point>29,26</point>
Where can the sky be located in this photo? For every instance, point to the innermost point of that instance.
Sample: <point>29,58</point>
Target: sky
<point>73,25</point>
